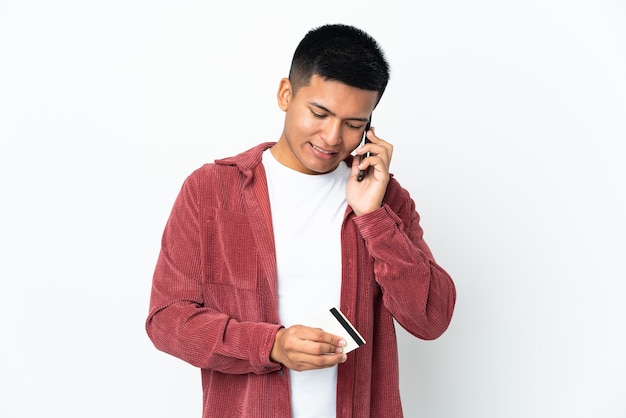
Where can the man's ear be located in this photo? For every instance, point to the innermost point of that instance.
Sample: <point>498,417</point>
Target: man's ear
<point>284,94</point>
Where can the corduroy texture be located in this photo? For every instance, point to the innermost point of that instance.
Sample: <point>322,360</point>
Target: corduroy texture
<point>214,295</point>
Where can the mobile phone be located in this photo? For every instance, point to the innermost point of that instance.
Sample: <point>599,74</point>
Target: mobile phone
<point>367,154</point>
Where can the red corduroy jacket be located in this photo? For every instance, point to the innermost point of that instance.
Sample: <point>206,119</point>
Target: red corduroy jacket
<point>214,301</point>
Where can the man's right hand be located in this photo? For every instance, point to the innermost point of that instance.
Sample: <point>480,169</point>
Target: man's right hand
<point>304,348</point>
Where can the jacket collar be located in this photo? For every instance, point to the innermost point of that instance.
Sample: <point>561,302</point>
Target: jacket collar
<point>247,160</point>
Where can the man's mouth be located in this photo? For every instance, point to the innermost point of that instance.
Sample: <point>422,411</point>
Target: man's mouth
<point>323,151</point>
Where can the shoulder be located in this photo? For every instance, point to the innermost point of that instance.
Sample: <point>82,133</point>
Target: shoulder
<point>228,168</point>
<point>246,160</point>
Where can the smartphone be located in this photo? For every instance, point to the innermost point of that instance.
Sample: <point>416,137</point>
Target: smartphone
<point>367,154</point>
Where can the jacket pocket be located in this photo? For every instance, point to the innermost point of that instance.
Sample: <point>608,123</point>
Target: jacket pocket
<point>230,252</point>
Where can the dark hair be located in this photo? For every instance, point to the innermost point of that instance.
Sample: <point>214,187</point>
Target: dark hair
<point>342,53</point>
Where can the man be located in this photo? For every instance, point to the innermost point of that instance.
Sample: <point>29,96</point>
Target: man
<point>259,245</point>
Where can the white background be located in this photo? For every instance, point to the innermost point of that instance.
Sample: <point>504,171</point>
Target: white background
<point>508,120</point>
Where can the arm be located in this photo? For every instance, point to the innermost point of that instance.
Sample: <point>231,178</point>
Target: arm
<point>416,290</point>
<point>180,321</point>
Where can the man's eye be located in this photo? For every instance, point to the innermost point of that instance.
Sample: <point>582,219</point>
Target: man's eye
<point>317,115</point>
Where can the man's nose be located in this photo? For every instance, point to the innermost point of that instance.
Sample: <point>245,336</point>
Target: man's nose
<point>332,133</point>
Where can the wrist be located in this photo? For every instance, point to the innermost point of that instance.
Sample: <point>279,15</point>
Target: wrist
<point>275,352</point>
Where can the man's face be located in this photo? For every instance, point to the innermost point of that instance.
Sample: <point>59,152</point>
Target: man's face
<point>324,123</point>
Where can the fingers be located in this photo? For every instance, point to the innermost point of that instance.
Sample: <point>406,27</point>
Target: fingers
<point>304,348</point>
<point>380,152</point>
<point>366,195</point>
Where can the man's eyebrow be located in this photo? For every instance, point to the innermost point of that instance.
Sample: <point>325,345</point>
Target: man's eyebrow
<point>319,106</point>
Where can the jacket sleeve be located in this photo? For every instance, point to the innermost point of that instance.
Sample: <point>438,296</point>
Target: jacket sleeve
<point>416,290</point>
<point>180,323</point>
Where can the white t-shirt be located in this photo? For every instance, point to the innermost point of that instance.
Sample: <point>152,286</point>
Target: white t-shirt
<point>307,212</point>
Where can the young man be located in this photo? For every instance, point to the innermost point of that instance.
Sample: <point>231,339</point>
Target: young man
<point>258,245</point>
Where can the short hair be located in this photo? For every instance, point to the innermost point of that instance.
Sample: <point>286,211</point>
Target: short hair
<point>341,53</point>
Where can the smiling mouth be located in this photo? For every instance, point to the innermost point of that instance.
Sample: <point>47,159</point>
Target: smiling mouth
<point>323,151</point>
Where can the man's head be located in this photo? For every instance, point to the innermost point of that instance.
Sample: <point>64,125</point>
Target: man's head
<point>340,53</point>
<point>337,78</point>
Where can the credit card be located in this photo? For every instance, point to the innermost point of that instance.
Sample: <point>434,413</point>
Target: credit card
<point>335,322</point>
